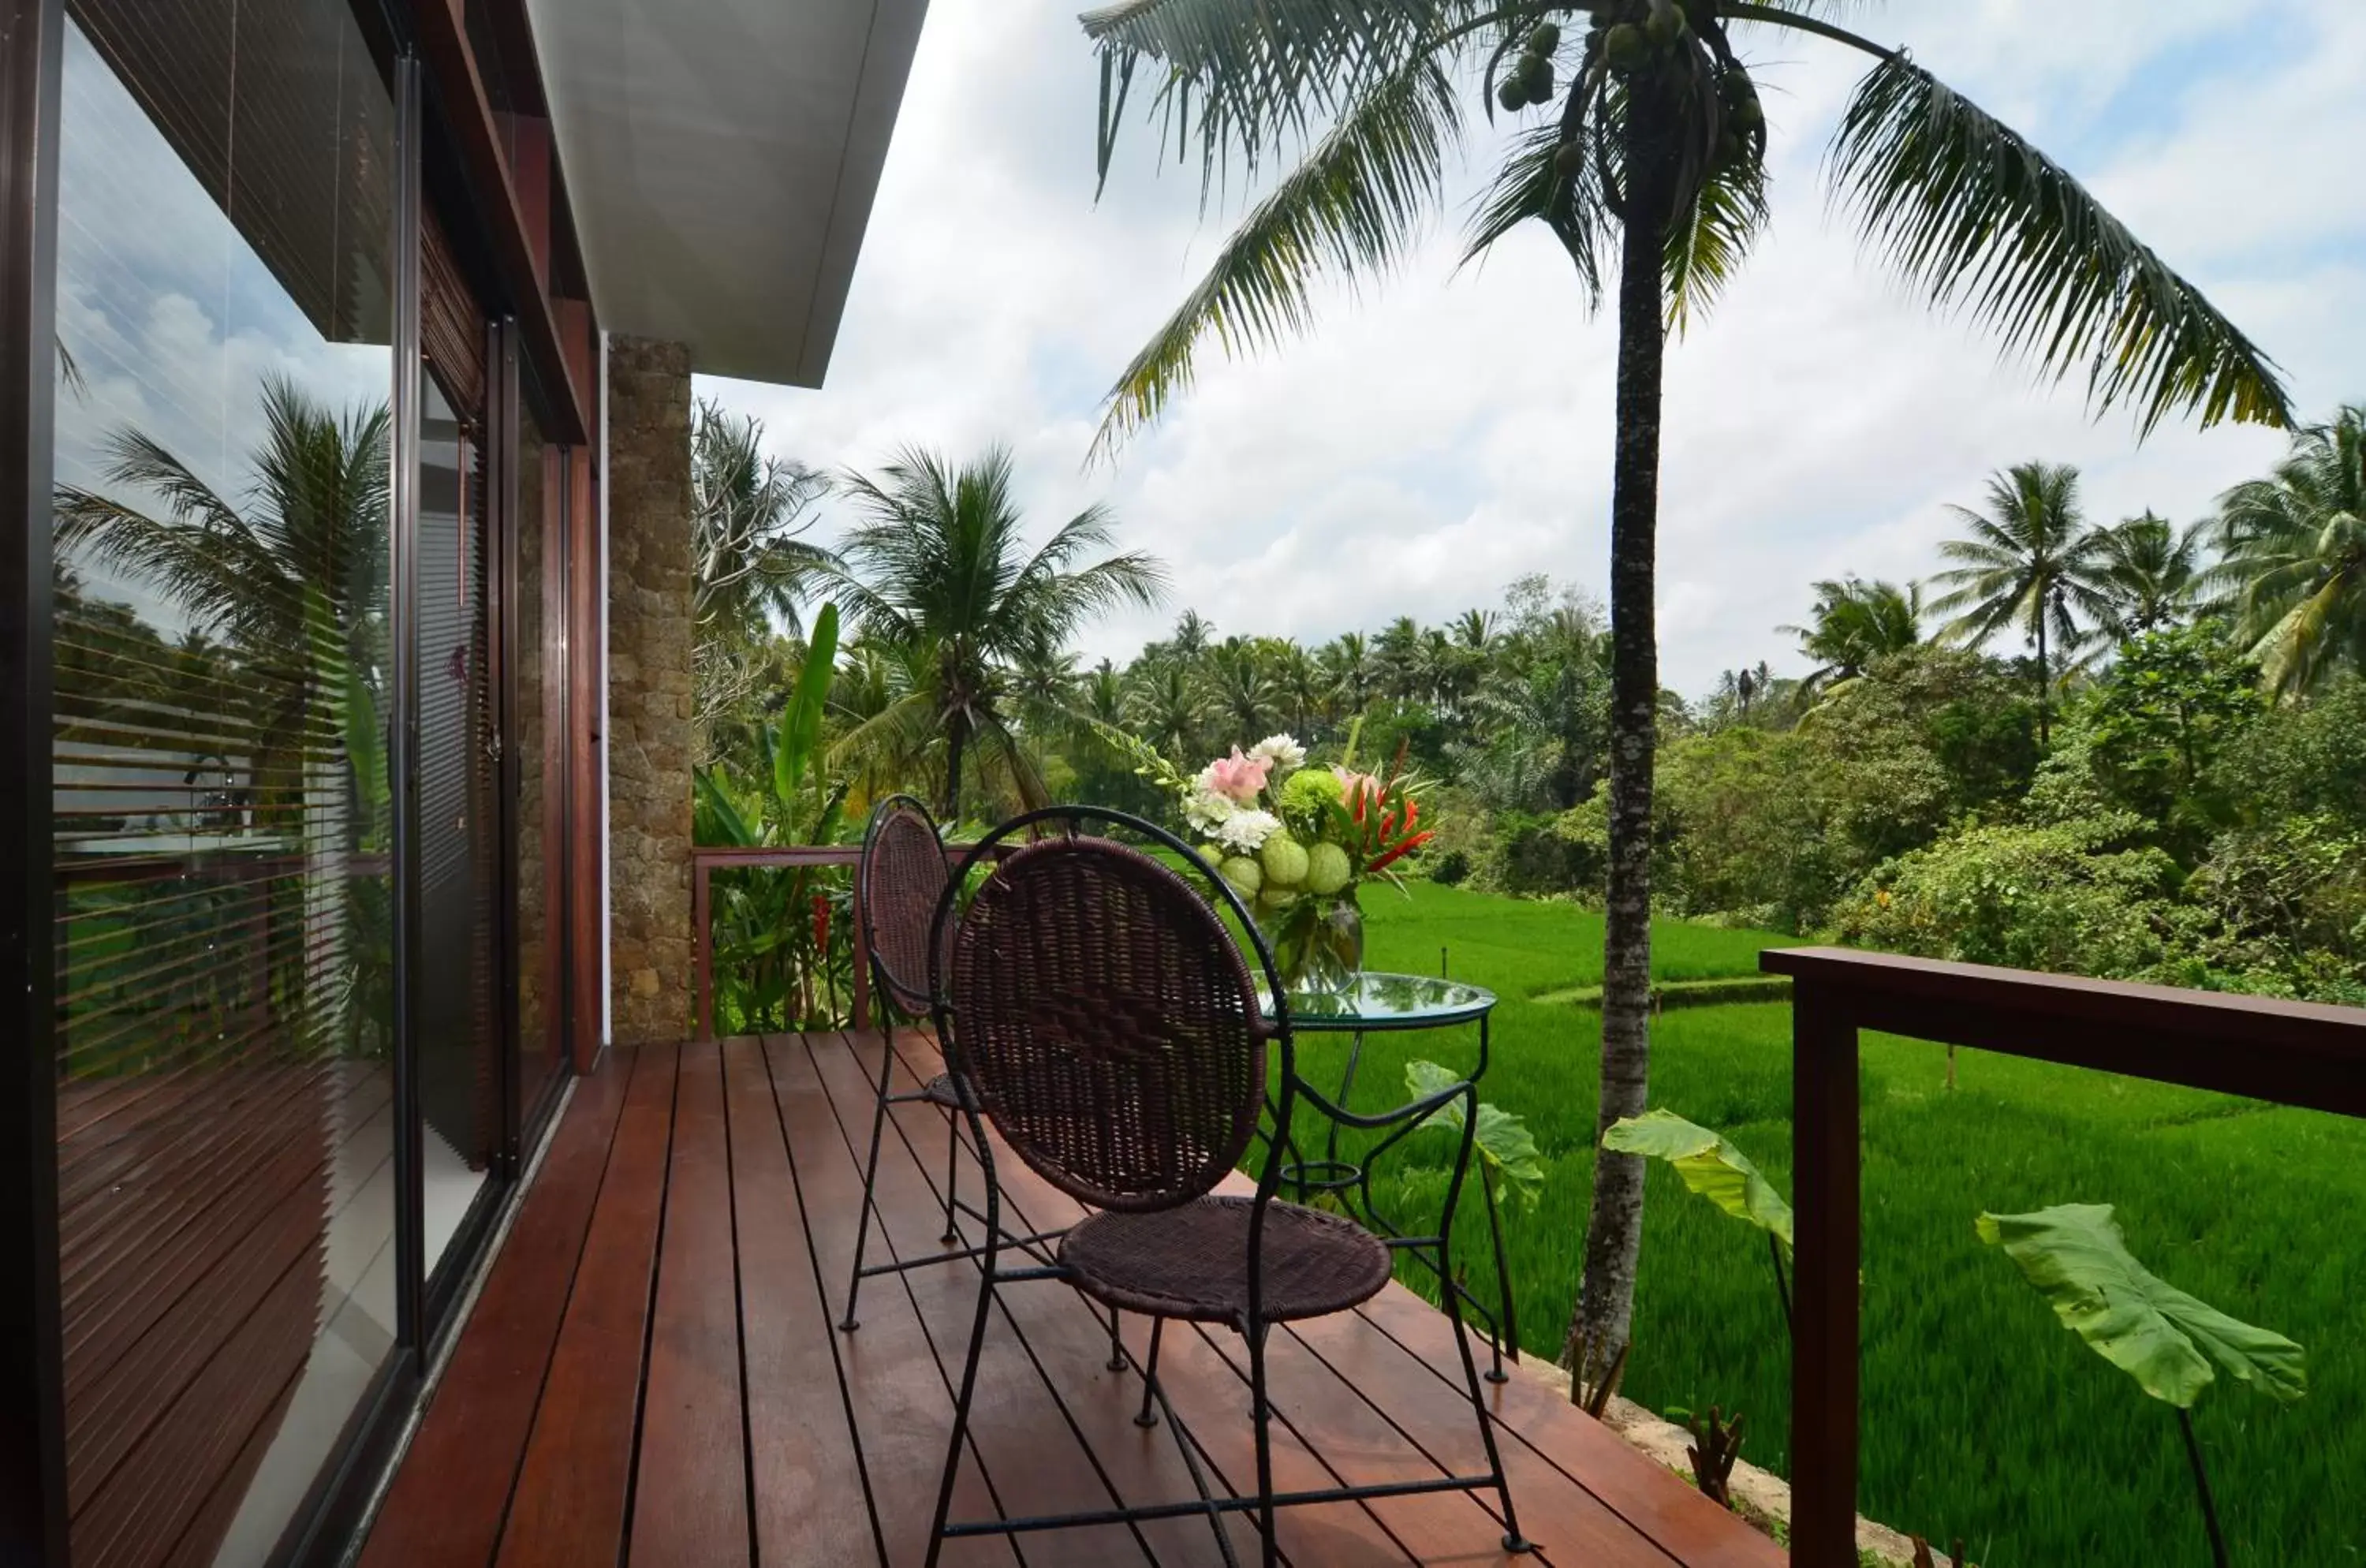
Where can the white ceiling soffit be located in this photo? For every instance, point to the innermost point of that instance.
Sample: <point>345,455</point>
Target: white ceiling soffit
<point>721,156</point>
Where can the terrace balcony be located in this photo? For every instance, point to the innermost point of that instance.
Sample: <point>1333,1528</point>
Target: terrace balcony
<point>652,1372</point>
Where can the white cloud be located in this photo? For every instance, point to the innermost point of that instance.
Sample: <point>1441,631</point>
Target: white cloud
<point>1442,432</point>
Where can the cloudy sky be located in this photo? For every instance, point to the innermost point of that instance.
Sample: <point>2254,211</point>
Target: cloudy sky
<point>1441,432</point>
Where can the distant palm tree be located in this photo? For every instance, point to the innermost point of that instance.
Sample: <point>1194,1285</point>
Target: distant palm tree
<point>2031,565</point>
<point>1647,162</point>
<point>747,510</point>
<point>1474,630</point>
<point>1306,691</point>
<point>939,569</point>
<point>2295,557</point>
<point>1193,635</point>
<point>1853,623</point>
<point>1398,654</point>
<point>1103,696</point>
<point>1243,697</point>
<point>1169,708</point>
<point>1346,662</point>
<point>2151,573</point>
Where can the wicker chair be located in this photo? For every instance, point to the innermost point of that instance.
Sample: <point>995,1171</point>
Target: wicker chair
<point>1113,1036</point>
<point>904,875</point>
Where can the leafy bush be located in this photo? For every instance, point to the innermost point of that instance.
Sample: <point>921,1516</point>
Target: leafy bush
<point>2073,897</point>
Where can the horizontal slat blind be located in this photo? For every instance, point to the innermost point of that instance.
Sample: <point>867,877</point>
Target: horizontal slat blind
<point>222,893</point>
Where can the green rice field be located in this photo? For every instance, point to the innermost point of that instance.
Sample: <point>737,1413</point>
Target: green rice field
<point>1983,1417</point>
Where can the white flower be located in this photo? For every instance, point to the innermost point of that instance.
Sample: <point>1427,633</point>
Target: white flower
<point>1246,832</point>
<point>1282,751</point>
<point>1206,810</point>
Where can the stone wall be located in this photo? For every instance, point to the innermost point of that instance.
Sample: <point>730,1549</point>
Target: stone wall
<point>649,712</point>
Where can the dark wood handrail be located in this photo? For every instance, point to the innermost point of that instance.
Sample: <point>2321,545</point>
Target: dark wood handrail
<point>2299,1053</point>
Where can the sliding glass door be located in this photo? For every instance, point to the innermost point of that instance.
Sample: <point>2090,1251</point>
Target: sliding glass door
<point>306,885</point>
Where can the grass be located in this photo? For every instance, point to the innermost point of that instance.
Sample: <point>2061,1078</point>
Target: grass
<point>1982,1416</point>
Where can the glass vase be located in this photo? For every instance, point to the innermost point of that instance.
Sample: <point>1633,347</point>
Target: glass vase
<point>1318,941</point>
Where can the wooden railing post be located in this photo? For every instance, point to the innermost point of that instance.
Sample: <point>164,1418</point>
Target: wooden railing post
<point>1825,1170</point>
<point>702,926</point>
<point>859,946</point>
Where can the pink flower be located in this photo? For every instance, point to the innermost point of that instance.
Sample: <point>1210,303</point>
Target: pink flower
<point>1354,787</point>
<point>1237,778</point>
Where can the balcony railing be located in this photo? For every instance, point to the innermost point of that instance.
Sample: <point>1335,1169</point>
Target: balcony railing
<point>2295,1054</point>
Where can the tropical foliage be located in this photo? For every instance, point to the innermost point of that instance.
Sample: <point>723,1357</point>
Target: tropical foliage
<point>1647,164</point>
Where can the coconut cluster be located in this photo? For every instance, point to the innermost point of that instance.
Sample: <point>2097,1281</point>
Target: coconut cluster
<point>1530,80</point>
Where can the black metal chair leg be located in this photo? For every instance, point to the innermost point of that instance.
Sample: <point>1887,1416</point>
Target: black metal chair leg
<point>952,1174</point>
<point>1513,1539</point>
<point>850,1323</point>
<point>1117,1343</point>
<point>961,1409</point>
<point>1505,1325</point>
<point>1261,1414</point>
<point>1147,1416</point>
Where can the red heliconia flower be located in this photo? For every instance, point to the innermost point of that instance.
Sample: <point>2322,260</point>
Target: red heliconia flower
<point>821,922</point>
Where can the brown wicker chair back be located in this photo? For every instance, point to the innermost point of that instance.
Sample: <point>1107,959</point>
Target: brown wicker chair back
<point>1108,1024</point>
<point>905,870</point>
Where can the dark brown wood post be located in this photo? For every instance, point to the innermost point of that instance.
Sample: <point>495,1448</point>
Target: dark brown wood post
<point>702,931</point>
<point>862,949</point>
<point>1824,1157</point>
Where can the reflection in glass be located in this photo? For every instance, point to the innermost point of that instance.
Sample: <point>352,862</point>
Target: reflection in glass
<point>223,898</point>
<point>459,1081</point>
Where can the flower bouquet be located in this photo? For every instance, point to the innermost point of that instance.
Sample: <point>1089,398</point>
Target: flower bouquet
<point>1297,842</point>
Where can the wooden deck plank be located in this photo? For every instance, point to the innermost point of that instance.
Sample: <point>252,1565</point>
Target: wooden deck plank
<point>1221,1428</point>
<point>574,1486</point>
<point>1685,1524</point>
<point>449,1499</point>
<point>1034,1463</point>
<point>806,1476</point>
<point>901,1415</point>
<point>703,1203</point>
<point>690,1495</point>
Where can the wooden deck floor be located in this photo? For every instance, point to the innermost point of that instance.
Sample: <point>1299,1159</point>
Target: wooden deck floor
<point>651,1374</point>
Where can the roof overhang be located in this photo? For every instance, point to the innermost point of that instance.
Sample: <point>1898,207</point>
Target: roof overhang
<point>721,157</point>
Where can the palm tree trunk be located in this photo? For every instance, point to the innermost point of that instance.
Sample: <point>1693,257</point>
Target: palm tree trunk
<point>956,744</point>
<point>2044,687</point>
<point>1614,1228</point>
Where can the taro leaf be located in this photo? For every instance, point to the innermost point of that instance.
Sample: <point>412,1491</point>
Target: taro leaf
<point>1504,1140</point>
<point>1711,1166</point>
<point>2080,1262</point>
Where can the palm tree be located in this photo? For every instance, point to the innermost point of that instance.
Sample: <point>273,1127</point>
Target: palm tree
<point>2031,565</point>
<point>938,568</point>
<point>1306,692</point>
<point>1193,634</point>
<point>1346,662</point>
<point>747,510</point>
<point>1653,154</point>
<point>2151,573</point>
<point>1855,623</point>
<point>294,588</point>
<point>1168,708</point>
<point>1244,697</point>
<point>2294,549</point>
<point>1401,663</point>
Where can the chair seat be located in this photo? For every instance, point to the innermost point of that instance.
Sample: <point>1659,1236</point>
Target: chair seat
<point>1192,1261</point>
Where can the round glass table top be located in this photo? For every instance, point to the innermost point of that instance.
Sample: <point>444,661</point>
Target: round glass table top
<point>1376,1001</point>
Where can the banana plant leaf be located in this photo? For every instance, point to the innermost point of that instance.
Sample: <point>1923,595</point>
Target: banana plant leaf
<point>1504,1140</point>
<point>800,728</point>
<point>2076,1256</point>
<point>1710,1167</point>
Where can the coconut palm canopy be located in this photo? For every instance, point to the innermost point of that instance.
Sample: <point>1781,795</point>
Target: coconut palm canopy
<point>1952,196</point>
<point>2152,572</point>
<point>938,569</point>
<point>1855,622</point>
<point>2295,557</point>
<point>2031,565</point>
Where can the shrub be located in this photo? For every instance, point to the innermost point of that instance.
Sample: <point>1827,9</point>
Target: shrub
<point>2071,898</point>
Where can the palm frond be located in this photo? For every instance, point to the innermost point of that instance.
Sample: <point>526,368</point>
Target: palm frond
<point>1531,185</point>
<point>1354,206</point>
<point>1968,208</point>
<point>1707,244</point>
